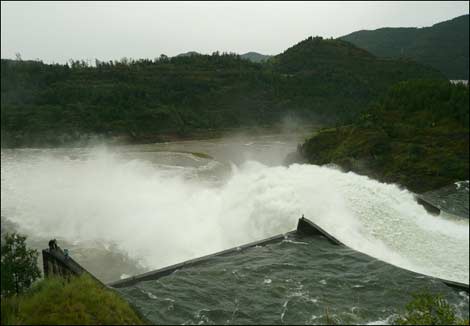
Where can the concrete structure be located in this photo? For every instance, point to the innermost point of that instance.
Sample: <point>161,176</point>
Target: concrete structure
<point>430,208</point>
<point>304,227</point>
<point>153,275</point>
<point>307,227</point>
<point>55,263</point>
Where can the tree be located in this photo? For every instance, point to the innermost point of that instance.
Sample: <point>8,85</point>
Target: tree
<point>18,265</point>
<point>428,309</point>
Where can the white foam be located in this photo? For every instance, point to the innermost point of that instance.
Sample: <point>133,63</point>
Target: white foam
<point>163,218</point>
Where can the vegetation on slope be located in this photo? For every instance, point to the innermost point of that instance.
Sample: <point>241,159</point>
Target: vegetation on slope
<point>429,309</point>
<point>335,78</point>
<point>53,301</point>
<point>78,301</point>
<point>443,46</point>
<point>416,136</point>
<point>315,80</point>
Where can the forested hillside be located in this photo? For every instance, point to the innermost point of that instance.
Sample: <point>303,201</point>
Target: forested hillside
<point>417,135</point>
<point>315,80</point>
<point>443,46</point>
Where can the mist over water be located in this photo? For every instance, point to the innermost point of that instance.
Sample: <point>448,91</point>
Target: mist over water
<point>165,207</point>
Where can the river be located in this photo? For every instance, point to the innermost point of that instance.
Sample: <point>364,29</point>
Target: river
<point>124,210</point>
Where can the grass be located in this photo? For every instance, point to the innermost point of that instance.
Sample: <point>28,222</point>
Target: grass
<point>79,301</point>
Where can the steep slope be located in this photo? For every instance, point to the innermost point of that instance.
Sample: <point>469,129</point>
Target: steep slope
<point>315,52</point>
<point>416,136</point>
<point>444,46</point>
<point>349,77</point>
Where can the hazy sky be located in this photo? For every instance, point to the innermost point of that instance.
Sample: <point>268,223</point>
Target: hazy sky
<point>56,31</point>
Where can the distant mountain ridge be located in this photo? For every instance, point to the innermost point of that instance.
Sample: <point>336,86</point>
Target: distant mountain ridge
<point>444,46</point>
<point>316,80</point>
<point>252,56</point>
<point>188,54</point>
<point>255,56</point>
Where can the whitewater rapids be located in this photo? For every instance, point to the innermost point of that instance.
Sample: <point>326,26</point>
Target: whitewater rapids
<point>162,214</point>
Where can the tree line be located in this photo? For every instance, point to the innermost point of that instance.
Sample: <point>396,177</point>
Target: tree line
<point>316,80</point>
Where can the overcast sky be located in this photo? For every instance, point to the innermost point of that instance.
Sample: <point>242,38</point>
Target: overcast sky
<point>56,31</point>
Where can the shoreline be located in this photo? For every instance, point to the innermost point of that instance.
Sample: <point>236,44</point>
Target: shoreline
<point>86,140</point>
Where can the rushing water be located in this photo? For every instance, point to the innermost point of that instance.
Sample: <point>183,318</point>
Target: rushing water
<point>295,281</point>
<point>129,209</point>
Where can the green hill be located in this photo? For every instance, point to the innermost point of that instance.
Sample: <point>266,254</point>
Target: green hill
<point>316,81</point>
<point>255,57</point>
<point>334,78</point>
<point>417,136</point>
<point>316,53</point>
<point>443,46</point>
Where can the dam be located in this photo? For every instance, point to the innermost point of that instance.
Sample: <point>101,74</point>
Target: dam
<point>137,209</point>
<point>143,291</point>
<point>305,227</point>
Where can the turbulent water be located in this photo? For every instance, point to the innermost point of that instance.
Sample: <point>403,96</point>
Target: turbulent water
<point>142,207</point>
<point>300,280</point>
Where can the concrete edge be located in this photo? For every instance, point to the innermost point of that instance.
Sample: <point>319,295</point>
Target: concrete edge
<point>430,208</point>
<point>304,227</point>
<point>156,274</point>
<point>307,227</point>
<point>55,262</point>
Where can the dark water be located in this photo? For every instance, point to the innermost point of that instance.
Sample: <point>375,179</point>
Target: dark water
<point>297,281</point>
<point>453,199</point>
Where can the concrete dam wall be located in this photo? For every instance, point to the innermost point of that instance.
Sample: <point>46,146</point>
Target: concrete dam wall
<point>55,262</point>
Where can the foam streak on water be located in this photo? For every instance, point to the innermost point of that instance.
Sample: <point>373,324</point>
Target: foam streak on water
<point>162,217</point>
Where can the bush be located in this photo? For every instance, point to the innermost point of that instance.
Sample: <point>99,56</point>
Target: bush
<point>428,309</point>
<point>18,265</point>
